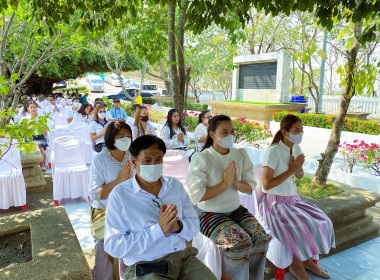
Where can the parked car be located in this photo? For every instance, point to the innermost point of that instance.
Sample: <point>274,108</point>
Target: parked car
<point>95,83</point>
<point>150,88</point>
<point>131,92</point>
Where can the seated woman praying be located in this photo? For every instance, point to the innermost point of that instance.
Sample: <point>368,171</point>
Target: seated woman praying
<point>174,133</point>
<point>109,168</point>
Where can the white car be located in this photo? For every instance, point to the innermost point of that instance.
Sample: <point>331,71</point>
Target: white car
<point>150,88</point>
<point>95,83</point>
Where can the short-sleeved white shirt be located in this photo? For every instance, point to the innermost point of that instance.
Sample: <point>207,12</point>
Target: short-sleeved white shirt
<point>277,157</point>
<point>79,118</point>
<point>96,127</point>
<point>200,131</point>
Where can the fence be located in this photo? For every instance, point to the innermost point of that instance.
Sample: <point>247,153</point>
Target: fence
<point>330,105</point>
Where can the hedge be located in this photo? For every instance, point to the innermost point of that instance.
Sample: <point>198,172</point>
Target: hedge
<point>190,105</point>
<point>148,100</point>
<point>327,121</point>
<point>71,88</point>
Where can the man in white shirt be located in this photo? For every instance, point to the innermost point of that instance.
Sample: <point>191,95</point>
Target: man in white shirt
<point>70,112</point>
<point>149,219</point>
<point>53,108</point>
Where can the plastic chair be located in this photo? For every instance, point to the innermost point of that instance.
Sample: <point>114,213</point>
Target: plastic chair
<point>176,164</point>
<point>58,132</point>
<point>12,183</point>
<point>70,173</point>
<point>81,130</point>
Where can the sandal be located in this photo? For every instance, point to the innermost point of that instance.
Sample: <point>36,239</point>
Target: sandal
<point>321,272</point>
<point>291,271</point>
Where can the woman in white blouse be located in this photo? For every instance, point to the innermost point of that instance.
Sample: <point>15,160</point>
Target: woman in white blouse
<point>174,133</point>
<point>215,177</point>
<point>83,114</point>
<point>200,132</point>
<point>283,210</point>
<point>108,169</point>
<point>142,126</point>
<point>98,127</point>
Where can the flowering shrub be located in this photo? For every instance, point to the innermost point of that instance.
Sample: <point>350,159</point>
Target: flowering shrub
<point>251,133</point>
<point>192,121</point>
<point>360,152</point>
<point>351,154</point>
<point>327,121</point>
<point>371,158</point>
<point>156,116</point>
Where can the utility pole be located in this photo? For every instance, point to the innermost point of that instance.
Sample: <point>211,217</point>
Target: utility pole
<point>322,74</point>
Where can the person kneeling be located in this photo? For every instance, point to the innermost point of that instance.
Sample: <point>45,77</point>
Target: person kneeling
<point>149,219</point>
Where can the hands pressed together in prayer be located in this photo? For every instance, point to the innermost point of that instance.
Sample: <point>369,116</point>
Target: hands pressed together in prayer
<point>125,172</point>
<point>180,137</point>
<point>167,218</point>
<point>295,165</point>
<point>230,176</point>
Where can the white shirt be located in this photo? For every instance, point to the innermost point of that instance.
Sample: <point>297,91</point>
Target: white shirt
<point>96,127</point>
<point>206,170</point>
<point>79,118</point>
<point>277,157</point>
<point>135,131</point>
<point>49,109</point>
<point>132,231</point>
<point>130,122</point>
<point>200,131</point>
<point>104,169</point>
<point>173,143</point>
<point>66,102</point>
<point>70,113</point>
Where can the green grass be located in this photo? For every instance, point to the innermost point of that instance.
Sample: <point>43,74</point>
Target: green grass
<point>251,102</point>
<point>305,187</point>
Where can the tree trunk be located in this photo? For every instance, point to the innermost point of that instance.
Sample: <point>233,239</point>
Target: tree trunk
<point>179,96</point>
<point>302,78</point>
<point>326,161</point>
<point>172,57</point>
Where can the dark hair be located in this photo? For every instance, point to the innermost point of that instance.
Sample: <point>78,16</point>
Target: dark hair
<point>52,96</point>
<point>83,108</point>
<point>135,107</point>
<point>202,115</point>
<point>170,125</point>
<point>112,130</point>
<point>26,103</point>
<point>30,103</point>
<point>212,126</point>
<point>116,100</point>
<point>144,142</point>
<point>286,123</point>
<point>98,99</point>
<point>75,98</point>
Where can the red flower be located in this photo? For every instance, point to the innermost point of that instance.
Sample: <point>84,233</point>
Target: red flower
<point>356,141</point>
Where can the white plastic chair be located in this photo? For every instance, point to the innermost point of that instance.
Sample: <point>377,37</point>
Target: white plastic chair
<point>52,135</point>
<point>12,183</point>
<point>81,130</point>
<point>70,173</point>
<point>176,164</point>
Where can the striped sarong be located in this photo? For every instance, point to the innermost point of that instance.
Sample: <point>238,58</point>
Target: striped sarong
<point>239,239</point>
<point>302,226</point>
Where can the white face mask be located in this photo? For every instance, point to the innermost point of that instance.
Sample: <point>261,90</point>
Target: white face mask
<point>151,173</point>
<point>123,143</point>
<point>227,142</point>
<point>102,116</point>
<point>296,138</point>
<point>207,120</point>
<point>34,98</point>
<point>77,104</point>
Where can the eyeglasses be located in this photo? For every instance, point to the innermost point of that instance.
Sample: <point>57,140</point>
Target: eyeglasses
<point>157,202</point>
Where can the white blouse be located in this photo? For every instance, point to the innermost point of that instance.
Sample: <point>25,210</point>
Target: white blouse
<point>96,127</point>
<point>206,170</point>
<point>173,143</point>
<point>200,131</point>
<point>135,131</point>
<point>79,118</point>
<point>104,169</point>
<point>277,157</point>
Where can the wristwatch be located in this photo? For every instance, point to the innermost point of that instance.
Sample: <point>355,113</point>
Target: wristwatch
<point>180,224</point>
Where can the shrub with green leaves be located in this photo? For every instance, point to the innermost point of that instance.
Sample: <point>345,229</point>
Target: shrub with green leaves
<point>327,121</point>
<point>251,133</point>
<point>190,105</point>
<point>148,100</point>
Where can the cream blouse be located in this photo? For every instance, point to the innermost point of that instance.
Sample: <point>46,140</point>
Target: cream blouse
<point>206,170</point>
<point>277,157</point>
